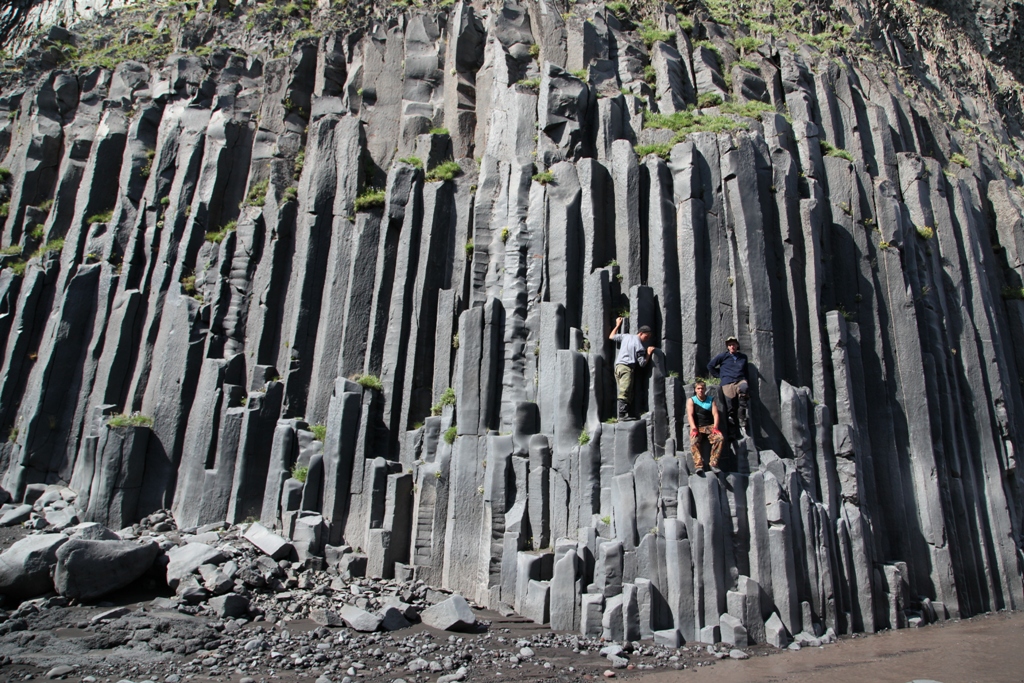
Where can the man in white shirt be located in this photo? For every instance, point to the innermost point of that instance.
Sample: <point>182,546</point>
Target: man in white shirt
<point>633,352</point>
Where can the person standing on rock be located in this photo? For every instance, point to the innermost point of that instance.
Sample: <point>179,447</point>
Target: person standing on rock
<point>702,413</point>
<point>731,367</point>
<point>633,352</point>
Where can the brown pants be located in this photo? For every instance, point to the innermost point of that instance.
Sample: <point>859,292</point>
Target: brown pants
<point>715,440</point>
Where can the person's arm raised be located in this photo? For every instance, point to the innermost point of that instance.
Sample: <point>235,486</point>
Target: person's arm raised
<point>615,330</point>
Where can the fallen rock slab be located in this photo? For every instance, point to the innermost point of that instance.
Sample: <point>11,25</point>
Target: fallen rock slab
<point>229,606</point>
<point>25,566</point>
<point>61,519</point>
<point>360,620</point>
<point>393,619</point>
<point>186,559</point>
<point>58,671</point>
<point>268,542</point>
<point>87,570</point>
<point>453,614</point>
<point>16,516</point>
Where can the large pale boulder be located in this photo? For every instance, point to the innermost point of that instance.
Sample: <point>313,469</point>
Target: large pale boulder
<point>87,570</point>
<point>25,566</point>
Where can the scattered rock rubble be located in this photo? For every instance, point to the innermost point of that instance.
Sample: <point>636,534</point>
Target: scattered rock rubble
<point>226,606</point>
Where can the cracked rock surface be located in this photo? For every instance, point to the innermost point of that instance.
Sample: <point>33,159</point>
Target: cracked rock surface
<point>304,318</point>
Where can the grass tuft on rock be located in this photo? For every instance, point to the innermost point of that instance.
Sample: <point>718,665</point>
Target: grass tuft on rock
<point>369,382</point>
<point>450,434</point>
<point>300,472</point>
<point>53,245</point>
<point>218,236</point>
<point>829,150</point>
<point>103,217</point>
<point>370,199</point>
<point>960,160</point>
<point>444,172</point>
<point>125,420</point>
<point>257,194</point>
<point>319,432</point>
<point>447,399</point>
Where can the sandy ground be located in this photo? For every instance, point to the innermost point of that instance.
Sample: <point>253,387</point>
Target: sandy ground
<point>985,649</point>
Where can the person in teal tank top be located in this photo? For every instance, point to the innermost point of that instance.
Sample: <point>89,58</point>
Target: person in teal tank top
<point>702,413</point>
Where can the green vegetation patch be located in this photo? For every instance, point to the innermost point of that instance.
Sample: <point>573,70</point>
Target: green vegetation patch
<point>319,432</point>
<point>663,150</point>
<point>125,420</point>
<point>651,34</point>
<point>218,236</point>
<point>450,434</point>
<point>412,161</point>
<point>831,151</point>
<point>300,472</point>
<point>370,199</point>
<point>369,382</point>
<point>1011,293</point>
<point>708,100</point>
<point>444,172</point>
<point>686,122</point>
<point>257,194</point>
<point>960,160</point>
<point>746,44</point>
<point>752,110</point>
<point>447,399</point>
<point>102,217</point>
<point>544,177</point>
<point>53,245</point>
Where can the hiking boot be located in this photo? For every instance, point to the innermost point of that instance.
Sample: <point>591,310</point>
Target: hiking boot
<point>622,408</point>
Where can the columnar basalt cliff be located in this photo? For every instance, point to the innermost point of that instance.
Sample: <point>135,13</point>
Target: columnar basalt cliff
<point>360,291</point>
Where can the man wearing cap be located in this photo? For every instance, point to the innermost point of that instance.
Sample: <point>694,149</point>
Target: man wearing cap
<point>633,352</point>
<point>731,367</point>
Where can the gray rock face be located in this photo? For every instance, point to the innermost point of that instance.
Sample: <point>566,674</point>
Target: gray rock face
<point>26,566</point>
<point>87,570</point>
<point>285,294</point>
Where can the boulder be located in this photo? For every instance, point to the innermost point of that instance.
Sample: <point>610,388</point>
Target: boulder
<point>16,515</point>
<point>453,614</point>
<point>189,590</point>
<point>25,566</point>
<point>393,619</point>
<point>61,519</point>
<point>229,606</point>
<point>186,559</point>
<point>775,633</point>
<point>87,570</point>
<point>360,620</point>
<point>326,617</point>
<point>268,542</point>
<point>91,531</point>
<point>215,580</point>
